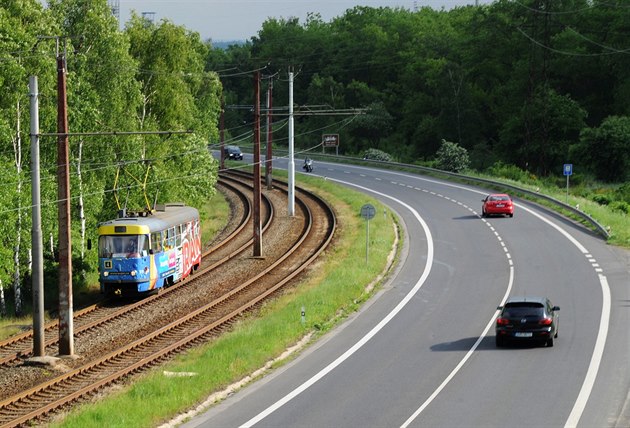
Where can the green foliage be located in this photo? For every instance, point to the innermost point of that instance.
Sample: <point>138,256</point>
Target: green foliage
<point>620,206</point>
<point>605,150</point>
<point>622,193</point>
<point>451,157</point>
<point>146,78</point>
<point>602,199</point>
<point>376,154</point>
<point>511,172</point>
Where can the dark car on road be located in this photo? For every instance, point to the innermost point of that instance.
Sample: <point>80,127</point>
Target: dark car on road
<point>497,204</point>
<point>233,152</point>
<point>527,319</point>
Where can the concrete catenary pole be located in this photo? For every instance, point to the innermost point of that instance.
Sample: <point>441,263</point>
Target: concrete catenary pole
<point>66,329</point>
<point>257,176</point>
<point>222,133</point>
<point>36,231</point>
<point>268,155</point>
<point>291,165</point>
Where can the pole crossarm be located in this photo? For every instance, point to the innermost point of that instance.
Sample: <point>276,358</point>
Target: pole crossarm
<point>302,110</point>
<point>111,133</point>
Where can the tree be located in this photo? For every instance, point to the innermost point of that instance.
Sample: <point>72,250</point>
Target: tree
<point>451,157</point>
<point>543,131</point>
<point>605,150</point>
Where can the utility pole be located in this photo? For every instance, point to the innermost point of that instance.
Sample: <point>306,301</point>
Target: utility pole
<point>268,166</point>
<point>257,190</point>
<point>291,165</point>
<point>66,329</point>
<point>36,232</point>
<point>221,133</point>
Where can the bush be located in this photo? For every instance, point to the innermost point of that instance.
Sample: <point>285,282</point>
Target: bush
<point>620,206</point>
<point>511,172</point>
<point>602,199</point>
<point>622,193</point>
<point>452,157</point>
<point>376,154</point>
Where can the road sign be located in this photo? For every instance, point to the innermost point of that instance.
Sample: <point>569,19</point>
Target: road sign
<point>330,140</point>
<point>568,170</point>
<point>368,211</point>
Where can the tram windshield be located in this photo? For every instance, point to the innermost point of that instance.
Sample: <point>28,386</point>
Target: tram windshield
<point>123,246</point>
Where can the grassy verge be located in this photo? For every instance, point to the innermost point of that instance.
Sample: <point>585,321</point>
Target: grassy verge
<point>332,289</point>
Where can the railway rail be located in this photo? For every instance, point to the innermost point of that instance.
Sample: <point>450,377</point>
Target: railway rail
<point>19,347</point>
<point>311,231</point>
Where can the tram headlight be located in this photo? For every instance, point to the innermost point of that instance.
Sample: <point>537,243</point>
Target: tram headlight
<point>133,272</point>
<point>105,273</point>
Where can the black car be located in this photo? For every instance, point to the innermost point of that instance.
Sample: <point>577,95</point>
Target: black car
<point>527,318</point>
<point>233,152</point>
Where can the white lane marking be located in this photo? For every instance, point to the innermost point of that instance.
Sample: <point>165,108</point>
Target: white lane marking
<point>371,333</point>
<point>600,342</point>
<point>598,351</point>
<point>602,334</point>
<point>463,361</point>
<point>596,358</point>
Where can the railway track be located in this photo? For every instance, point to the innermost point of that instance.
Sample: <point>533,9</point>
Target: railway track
<point>18,348</point>
<point>312,230</point>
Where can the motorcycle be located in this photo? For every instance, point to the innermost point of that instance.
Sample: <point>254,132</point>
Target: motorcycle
<point>308,165</point>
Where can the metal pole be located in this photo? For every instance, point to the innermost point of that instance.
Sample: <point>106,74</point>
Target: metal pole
<point>291,165</point>
<point>36,232</point>
<point>367,241</point>
<point>222,134</point>
<point>66,329</point>
<point>257,190</point>
<point>268,165</point>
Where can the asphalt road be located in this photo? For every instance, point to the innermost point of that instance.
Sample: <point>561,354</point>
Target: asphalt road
<point>422,353</point>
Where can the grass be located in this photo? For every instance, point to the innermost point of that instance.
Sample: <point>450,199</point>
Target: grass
<point>326,295</point>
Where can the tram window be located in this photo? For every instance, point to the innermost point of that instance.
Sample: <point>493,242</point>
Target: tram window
<point>143,245</point>
<point>171,238</point>
<point>156,242</point>
<point>178,237</point>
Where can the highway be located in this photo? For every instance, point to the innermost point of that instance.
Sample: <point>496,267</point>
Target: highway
<point>421,353</point>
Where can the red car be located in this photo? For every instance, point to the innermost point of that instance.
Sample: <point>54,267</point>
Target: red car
<point>497,204</point>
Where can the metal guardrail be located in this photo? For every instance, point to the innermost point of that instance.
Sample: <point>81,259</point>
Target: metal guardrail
<point>601,230</point>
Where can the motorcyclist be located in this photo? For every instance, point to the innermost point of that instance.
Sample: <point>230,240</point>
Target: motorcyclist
<point>308,164</point>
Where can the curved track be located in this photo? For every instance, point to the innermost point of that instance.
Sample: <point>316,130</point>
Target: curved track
<point>19,347</point>
<point>223,303</point>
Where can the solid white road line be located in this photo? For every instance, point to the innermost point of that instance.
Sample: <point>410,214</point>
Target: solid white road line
<point>371,333</point>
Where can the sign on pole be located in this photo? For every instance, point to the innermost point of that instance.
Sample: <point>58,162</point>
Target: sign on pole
<point>330,140</point>
<point>367,212</point>
<point>568,170</point>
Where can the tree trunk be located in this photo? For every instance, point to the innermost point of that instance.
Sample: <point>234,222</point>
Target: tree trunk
<point>17,150</point>
<point>81,208</point>
<point>3,303</point>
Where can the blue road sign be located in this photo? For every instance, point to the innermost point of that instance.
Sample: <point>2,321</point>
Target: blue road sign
<point>568,169</point>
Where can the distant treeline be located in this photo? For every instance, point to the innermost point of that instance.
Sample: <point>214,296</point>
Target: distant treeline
<point>532,83</point>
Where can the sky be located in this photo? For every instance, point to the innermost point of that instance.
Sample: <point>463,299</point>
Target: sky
<point>228,20</point>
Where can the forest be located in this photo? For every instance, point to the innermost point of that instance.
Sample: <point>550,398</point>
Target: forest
<point>534,84</point>
<point>528,84</point>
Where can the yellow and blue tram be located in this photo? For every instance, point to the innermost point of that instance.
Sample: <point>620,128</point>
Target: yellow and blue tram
<point>144,251</point>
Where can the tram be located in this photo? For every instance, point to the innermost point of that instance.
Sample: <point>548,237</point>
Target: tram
<point>147,250</point>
